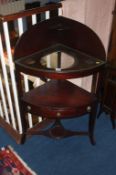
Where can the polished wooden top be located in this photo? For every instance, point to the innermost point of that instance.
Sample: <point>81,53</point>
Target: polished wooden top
<point>61,35</point>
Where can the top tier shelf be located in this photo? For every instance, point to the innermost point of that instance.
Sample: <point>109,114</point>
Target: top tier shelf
<point>59,60</point>
<point>59,48</point>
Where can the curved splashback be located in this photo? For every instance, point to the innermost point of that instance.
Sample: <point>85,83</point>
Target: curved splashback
<point>60,30</point>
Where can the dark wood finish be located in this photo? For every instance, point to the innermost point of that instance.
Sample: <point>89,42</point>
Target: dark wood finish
<point>60,30</point>
<point>108,103</point>
<point>19,138</point>
<point>64,31</point>
<point>11,131</point>
<point>30,12</point>
<point>58,131</point>
<point>58,99</point>
<point>9,18</point>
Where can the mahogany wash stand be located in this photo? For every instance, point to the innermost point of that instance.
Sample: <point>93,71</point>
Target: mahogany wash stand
<point>56,50</point>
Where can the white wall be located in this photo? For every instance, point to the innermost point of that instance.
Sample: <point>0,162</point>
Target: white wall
<point>95,14</point>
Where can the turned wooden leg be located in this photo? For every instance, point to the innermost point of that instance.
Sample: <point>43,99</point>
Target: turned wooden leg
<point>100,110</point>
<point>92,119</point>
<point>24,122</point>
<point>21,105</point>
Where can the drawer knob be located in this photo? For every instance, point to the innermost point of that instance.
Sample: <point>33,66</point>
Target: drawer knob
<point>89,109</point>
<point>28,107</point>
<point>58,114</point>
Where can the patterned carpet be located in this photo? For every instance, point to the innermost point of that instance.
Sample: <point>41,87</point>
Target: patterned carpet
<point>12,164</point>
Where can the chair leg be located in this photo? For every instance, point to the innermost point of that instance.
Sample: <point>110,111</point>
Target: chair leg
<point>92,119</point>
<point>113,111</point>
<point>113,120</point>
<point>24,123</point>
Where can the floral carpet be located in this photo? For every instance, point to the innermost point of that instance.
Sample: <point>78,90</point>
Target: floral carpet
<point>12,164</point>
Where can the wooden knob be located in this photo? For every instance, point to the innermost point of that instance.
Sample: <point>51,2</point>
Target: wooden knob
<point>58,114</point>
<point>88,108</point>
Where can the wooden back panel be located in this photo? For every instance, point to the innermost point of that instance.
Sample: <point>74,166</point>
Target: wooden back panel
<point>59,30</point>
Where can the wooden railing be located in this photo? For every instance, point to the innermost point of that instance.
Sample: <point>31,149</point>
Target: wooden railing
<point>9,106</point>
<point>30,12</point>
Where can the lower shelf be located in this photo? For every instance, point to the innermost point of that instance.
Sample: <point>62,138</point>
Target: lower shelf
<point>58,99</point>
